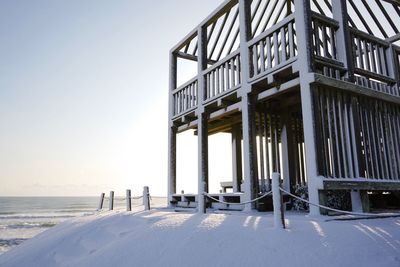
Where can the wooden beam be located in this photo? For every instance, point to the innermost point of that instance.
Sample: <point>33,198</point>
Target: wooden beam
<point>247,106</point>
<point>360,185</point>
<point>306,66</point>
<point>343,40</point>
<point>351,87</point>
<point>202,123</point>
<point>393,38</point>
<point>278,89</point>
<point>193,58</point>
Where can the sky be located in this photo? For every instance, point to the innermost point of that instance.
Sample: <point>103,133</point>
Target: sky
<point>84,97</point>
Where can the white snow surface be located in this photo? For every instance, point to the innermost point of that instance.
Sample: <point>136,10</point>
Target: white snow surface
<point>162,237</point>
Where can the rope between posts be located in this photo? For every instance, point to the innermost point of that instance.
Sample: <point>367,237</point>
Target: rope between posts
<point>137,197</point>
<point>242,203</point>
<point>332,209</point>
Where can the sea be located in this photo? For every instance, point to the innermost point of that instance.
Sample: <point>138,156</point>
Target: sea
<point>22,218</point>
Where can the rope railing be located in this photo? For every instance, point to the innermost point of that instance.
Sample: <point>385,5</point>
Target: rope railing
<point>337,210</point>
<point>237,203</point>
<point>111,199</point>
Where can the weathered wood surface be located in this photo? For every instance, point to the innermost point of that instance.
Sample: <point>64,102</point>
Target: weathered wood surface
<point>315,92</point>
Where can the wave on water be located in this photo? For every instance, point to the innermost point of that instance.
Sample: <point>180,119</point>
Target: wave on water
<point>36,217</point>
<point>28,225</point>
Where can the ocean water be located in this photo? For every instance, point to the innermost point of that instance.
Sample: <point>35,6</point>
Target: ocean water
<point>22,218</point>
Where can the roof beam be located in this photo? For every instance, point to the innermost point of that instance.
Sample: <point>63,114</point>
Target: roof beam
<point>393,38</point>
<point>393,2</point>
<point>193,58</point>
<point>388,18</point>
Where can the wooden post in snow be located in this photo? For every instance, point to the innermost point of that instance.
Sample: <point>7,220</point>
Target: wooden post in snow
<point>128,200</point>
<point>202,122</point>
<point>101,201</point>
<point>306,66</point>
<point>111,203</point>
<point>146,198</point>
<point>247,107</point>
<point>277,201</point>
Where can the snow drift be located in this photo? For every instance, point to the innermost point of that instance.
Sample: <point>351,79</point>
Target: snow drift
<point>161,237</point>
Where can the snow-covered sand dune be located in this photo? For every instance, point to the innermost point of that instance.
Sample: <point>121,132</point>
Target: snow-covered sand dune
<point>162,237</point>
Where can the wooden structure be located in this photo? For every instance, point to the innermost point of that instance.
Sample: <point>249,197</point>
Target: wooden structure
<point>307,88</point>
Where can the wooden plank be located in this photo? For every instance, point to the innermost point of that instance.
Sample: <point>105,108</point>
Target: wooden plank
<point>276,48</point>
<point>262,56</point>
<point>343,85</point>
<point>337,139</point>
<point>255,61</point>
<point>236,158</point>
<point>283,44</point>
<point>319,128</point>
<point>383,142</point>
<point>267,150</point>
<point>291,40</point>
<point>360,185</point>
<point>261,149</point>
<point>348,138</point>
<point>331,145</point>
<point>366,55</point>
<point>373,116</point>
<point>372,53</point>
<point>269,54</point>
<point>343,147</point>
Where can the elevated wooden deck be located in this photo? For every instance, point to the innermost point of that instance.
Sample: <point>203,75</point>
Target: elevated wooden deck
<point>310,87</point>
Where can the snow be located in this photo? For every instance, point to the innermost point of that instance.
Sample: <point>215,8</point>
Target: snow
<point>162,237</point>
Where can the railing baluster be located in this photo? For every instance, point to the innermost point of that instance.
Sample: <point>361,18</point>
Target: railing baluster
<point>276,49</point>
<point>255,60</point>
<point>238,70</point>
<point>359,53</point>
<point>269,54</point>
<point>283,44</point>
<point>373,59</point>
<point>217,81</point>
<point>227,75</point>
<point>366,55</point>
<point>232,63</point>
<point>262,57</point>
<point>291,39</point>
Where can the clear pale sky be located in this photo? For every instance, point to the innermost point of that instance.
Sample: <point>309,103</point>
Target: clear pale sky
<point>84,96</point>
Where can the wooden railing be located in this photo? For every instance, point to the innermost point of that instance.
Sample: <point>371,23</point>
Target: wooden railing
<point>185,97</point>
<point>372,62</point>
<point>324,46</point>
<point>223,77</point>
<point>273,48</point>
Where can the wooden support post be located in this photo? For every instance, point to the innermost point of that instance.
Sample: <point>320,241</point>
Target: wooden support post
<point>111,201</point>
<point>202,122</point>
<point>356,203</point>
<point>146,198</point>
<point>202,133</point>
<point>279,219</point>
<point>306,66</point>
<point>285,157</point>
<point>128,200</point>
<point>101,201</point>
<point>247,105</point>
<point>323,201</point>
<point>236,158</point>
<point>343,42</point>
<point>172,130</point>
<point>365,201</point>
